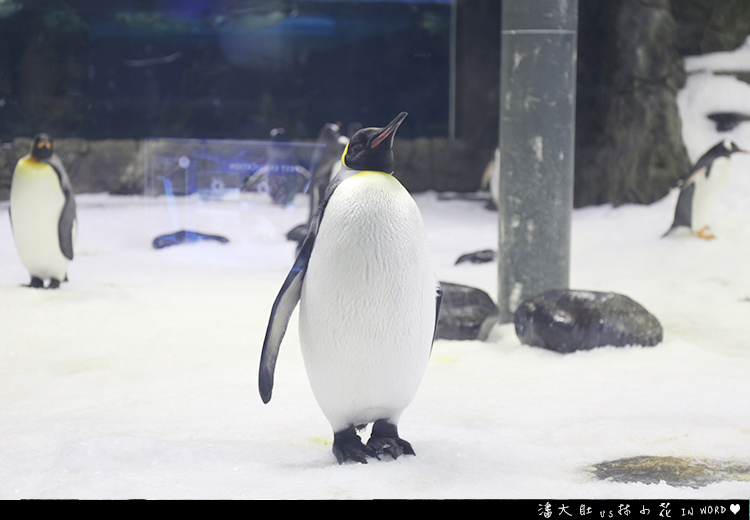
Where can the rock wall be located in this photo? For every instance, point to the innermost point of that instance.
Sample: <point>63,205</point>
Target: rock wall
<point>628,145</point>
<point>113,166</point>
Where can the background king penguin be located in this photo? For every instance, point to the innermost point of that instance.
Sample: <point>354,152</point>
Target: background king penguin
<point>369,301</point>
<point>43,214</point>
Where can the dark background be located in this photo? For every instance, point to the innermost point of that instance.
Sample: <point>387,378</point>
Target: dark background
<point>90,71</point>
<point>220,68</point>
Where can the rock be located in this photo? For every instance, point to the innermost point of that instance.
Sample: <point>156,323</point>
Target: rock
<point>629,144</point>
<point>726,121</point>
<point>465,313</point>
<point>566,321</point>
<point>709,26</point>
<point>479,257</point>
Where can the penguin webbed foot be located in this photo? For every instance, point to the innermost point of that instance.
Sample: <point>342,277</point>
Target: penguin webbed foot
<point>705,233</point>
<point>385,440</point>
<point>348,446</point>
<point>36,283</point>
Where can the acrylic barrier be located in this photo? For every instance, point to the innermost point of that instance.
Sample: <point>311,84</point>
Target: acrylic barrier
<point>236,190</point>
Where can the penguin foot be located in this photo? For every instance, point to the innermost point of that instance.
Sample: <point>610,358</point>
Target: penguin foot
<point>385,440</point>
<point>54,283</point>
<point>348,446</point>
<point>36,283</point>
<point>706,234</point>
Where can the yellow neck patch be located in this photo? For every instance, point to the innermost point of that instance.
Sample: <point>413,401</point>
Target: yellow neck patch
<point>343,156</point>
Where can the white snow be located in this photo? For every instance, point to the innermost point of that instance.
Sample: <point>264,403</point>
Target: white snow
<point>733,61</point>
<point>138,378</point>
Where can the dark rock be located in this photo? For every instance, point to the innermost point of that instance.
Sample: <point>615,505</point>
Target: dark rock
<point>480,257</point>
<point>726,121</point>
<point>710,26</point>
<point>465,313</point>
<point>566,321</point>
<point>628,129</point>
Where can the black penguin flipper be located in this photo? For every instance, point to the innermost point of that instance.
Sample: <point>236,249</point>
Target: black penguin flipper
<point>67,225</point>
<point>438,301</point>
<point>281,312</point>
<point>699,169</point>
<point>289,295</point>
<point>67,221</point>
<point>684,210</point>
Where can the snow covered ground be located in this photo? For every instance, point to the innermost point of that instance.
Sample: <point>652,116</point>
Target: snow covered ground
<point>138,379</point>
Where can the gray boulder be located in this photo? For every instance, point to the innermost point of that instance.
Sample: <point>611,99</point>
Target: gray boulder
<point>465,313</point>
<point>566,321</point>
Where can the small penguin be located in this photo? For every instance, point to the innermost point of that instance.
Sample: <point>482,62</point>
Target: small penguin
<point>491,180</point>
<point>702,188</point>
<point>282,173</point>
<point>369,301</point>
<point>328,163</point>
<point>328,160</point>
<point>43,214</point>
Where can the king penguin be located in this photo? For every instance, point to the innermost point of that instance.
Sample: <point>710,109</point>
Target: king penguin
<point>369,301</point>
<point>43,214</point>
<point>702,187</point>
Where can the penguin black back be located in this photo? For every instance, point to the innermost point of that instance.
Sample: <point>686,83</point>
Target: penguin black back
<point>371,149</point>
<point>703,166</point>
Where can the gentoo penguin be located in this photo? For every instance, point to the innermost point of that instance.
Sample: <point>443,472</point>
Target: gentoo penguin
<point>43,214</point>
<point>368,301</point>
<point>702,188</point>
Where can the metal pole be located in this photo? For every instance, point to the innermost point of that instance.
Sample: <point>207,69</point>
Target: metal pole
<point>537,136</point>
<point>452,73</point>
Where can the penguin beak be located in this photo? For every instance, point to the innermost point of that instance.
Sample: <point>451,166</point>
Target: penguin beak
<point>388,131</point>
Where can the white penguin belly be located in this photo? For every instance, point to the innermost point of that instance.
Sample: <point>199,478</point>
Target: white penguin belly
<point>708,191</point>
<point>36,202</point>
<point>367,310</point>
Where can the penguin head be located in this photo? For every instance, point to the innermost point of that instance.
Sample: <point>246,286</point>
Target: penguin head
<point>372,148</point>
<point>278,135</point>
<point>41,147</point>
<point>728,147</point>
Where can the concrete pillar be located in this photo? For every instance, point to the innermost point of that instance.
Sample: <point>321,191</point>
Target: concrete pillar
<point>537,137</point>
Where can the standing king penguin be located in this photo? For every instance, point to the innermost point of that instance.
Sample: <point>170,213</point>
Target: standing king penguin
<point>43,214</point>
<point>702,188</point>
<point>369,301</point>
